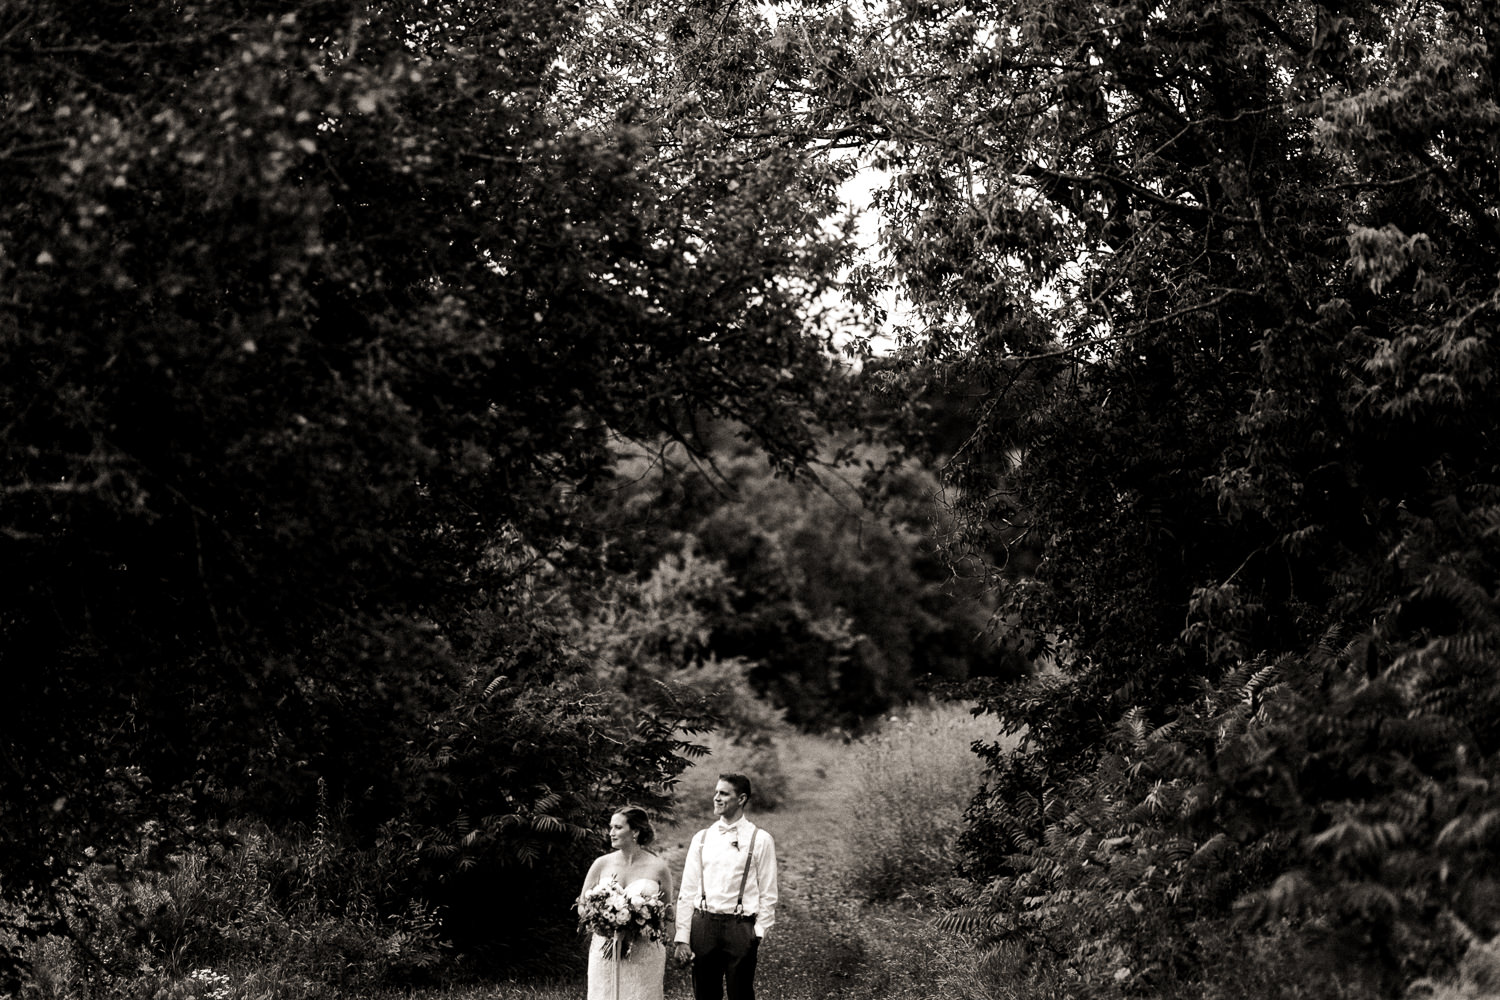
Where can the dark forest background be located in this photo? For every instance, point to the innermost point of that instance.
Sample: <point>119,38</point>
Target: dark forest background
<point>423,422</point>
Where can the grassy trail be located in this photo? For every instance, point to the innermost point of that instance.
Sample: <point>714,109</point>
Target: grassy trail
<point>809,852</point>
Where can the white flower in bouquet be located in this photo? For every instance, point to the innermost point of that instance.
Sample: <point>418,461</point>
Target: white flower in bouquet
<point>621,917</point>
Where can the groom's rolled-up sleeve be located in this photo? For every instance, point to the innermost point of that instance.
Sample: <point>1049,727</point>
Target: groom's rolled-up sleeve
<point>765,872</point>
<point>690,888</point>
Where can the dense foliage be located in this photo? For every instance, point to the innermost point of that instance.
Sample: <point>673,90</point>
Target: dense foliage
<point>316,320</point>
<point>1222,280</point>
<point>1228,273</point>
<point>831,594</point>
<point>319,320</point>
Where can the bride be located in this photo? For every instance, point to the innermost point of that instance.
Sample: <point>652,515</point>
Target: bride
<point>641,974</point>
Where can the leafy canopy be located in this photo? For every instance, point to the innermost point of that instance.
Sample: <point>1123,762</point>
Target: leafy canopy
<point>316,317</point>
<point>1223,278</point>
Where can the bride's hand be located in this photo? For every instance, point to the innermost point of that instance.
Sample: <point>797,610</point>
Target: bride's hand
<point>682,953</point>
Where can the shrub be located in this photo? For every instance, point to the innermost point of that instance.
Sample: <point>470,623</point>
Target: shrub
<point>309,914</point>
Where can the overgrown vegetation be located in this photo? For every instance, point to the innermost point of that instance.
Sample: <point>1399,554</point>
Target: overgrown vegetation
<point>257,914</point>
<point>874,862</point>
<point>326,327</point>
<point>1218,285</point>
<point>265,915</point>
<point>909,784</point>
<point>1224,277</point>
<point>317,324</point>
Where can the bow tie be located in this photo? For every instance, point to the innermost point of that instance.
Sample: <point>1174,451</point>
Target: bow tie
<point>732,831</point>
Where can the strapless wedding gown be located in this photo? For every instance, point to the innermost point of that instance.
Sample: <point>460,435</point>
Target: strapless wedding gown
<point>641,975</point>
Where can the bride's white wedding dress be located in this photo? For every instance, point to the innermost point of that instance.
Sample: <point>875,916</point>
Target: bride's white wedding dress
<point>641,975</point>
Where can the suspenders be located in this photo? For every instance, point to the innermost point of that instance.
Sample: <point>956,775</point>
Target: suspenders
<point>739,903</point>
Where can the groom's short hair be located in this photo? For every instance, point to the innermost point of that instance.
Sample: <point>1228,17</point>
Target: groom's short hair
<point>739,781</point>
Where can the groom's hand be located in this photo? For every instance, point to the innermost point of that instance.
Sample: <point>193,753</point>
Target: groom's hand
<point>681,952</point>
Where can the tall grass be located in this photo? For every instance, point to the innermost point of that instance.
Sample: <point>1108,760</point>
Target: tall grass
<point>910,782</point>
<point>871,827</point>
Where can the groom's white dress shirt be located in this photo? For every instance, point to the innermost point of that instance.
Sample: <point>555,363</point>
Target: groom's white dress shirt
<point>712,871</point>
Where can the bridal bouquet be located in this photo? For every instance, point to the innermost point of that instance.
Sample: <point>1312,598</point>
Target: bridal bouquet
<point>622,917</point>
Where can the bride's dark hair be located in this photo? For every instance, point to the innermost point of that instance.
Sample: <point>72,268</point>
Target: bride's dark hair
<point>638,821</point>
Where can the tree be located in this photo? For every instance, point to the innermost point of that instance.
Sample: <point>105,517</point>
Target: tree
<point>315,317</point>
<point>831,592</point>
<point>1226,274</point>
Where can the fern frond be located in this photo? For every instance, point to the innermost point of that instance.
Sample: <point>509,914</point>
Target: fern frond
<point>1178,851</point>
<point>1332,643</point>
<point>1035,864</point>
<point>1026,808</point>
<point>1057,838</point>
<point>1013,829</point>
<point>1132,726</point>
<point>968,921</point>
<point>1369,899</point>
<point>1461,593</point>
<point>1165,731</point>
<point>1356,840</point>
<point>547,824</point>
<point>1288,895</point>
<point>1416,734</point>
<point>1468,832</point>
<point>1212,853</point>
<point>1262,678</point>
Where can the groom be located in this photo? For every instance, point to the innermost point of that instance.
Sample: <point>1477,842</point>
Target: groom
<point>727,899</point>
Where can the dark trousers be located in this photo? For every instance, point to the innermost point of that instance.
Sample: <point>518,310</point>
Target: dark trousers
<point>724,949</point>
